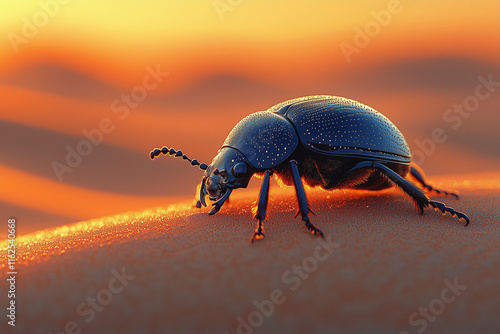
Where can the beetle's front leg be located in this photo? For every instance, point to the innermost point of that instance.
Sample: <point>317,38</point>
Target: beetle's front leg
<point>260,213</point>
<point>302,199</point>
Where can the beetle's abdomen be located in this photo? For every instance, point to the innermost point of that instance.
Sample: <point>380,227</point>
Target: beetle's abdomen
<point>264,138</point>
<point>338,126</point>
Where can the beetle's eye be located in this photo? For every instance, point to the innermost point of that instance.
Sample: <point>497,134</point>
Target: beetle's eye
<point>239,170</point>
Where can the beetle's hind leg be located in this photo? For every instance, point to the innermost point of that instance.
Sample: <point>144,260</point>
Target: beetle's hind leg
<point>302,199</point>
<point>418,175</point>
<point>261,208</point>
<point>421,200</point>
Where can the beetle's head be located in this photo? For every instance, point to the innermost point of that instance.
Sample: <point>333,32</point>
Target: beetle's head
<point>228,170</point>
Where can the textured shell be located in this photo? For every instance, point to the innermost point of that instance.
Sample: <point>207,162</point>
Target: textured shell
<point>337,126</point>
<point>264,138</point>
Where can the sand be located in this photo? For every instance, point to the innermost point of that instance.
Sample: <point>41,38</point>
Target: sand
<point>182,271</point>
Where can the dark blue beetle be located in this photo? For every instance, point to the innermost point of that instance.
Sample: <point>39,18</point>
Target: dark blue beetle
<point>326,141</point>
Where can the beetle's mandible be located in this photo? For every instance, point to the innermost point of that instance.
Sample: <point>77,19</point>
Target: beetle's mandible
<point>322,140</point>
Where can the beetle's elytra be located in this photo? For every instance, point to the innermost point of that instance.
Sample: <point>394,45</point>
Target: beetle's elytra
<point>322,140</point>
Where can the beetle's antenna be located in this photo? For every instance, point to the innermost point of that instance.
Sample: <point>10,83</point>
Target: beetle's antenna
<point>165,150</point>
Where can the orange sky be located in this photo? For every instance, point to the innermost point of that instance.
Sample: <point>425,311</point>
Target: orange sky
<point>262,39</point>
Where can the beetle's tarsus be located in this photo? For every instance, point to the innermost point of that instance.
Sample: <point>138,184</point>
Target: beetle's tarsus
<point>440,192</point>
<point>311,228</point>
<point>259,232</point>
<point>260,213</point>
<point>420,178</point>
<point>443,208</point>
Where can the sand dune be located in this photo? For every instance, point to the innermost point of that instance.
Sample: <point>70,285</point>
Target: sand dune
<point>190,272</point>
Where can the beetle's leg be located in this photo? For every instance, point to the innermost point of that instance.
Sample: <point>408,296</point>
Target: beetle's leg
<point>302,199</point>
<point>417,175</point>
<point>421,200</point>
<point>260,214</point>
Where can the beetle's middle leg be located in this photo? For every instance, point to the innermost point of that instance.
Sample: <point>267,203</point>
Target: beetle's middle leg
<point>302,199</point>
<point>260,213</point>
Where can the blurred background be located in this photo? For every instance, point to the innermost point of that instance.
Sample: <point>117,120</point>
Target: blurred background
<point>88,88</point>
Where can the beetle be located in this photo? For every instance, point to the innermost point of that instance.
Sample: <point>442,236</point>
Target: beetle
<point>326,141</point>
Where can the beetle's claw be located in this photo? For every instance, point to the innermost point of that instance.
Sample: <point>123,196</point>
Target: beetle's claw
<point>311,228</point>
<point>257,236</point>
<point>464,217</point>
